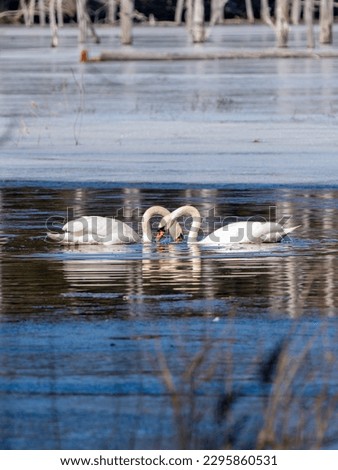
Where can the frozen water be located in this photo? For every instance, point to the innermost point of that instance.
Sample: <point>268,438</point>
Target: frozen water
<point>257,121</point>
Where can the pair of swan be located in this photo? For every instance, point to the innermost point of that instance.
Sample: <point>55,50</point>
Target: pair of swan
<point>109,231</point>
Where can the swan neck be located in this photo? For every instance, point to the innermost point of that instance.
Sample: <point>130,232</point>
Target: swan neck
<point>196,220</point>
<point>149,213</point>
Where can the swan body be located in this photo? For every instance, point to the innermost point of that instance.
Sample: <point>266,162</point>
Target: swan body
<point>94,230</point>
<point>237,232</point>
<point>247,232</point>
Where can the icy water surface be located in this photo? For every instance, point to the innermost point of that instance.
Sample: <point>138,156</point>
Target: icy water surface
<point>97,341</point>
<point>270,121</point>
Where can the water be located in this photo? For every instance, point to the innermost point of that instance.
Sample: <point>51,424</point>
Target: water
<point>86,332</point>
<point>252,122</point>
<point>166,345</point>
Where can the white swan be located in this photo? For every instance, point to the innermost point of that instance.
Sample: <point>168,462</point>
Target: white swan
<point>237,232</point>
<point>94,230</point>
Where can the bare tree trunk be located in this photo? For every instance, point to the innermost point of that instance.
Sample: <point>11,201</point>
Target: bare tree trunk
<point>179,12</point>
<point>28,11</point>
<point>59,13</point>
<point>112,9</point>
<point>249,11</point>
<point>126,12</point>
<point>84,22</point>
<point>42,14</point>
<point>81,20</point>
<point>296,10</point>
<point>31,10</point>
<point>217,11</point>
<point>52,24</point>
<point>308,13</point>
<point>265,13</point>
<point>326,21</point>
<point>282,25</point>
<point>198,27</point>
<point>91,27</point>
<point>24,10</point>
<point>188,15</point>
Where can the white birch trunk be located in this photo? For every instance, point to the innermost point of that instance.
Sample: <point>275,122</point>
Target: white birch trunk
<point>52,24</point>
<point>282,25</point>
<point>217,11</point>
<point>126,12</point>
<point>81,20</point>
<point>31,12</point>
<point>24,10</point>
<point>308,14</point>
<point>112,10</point>
<point>59,13</point>
<point>296,10</point>
<point>215,14</point>
<point>188,15</point>
<point>179,12</point>
<point>28,10</point>
<point>265,13</point>
<point>249,11</point>
<point>198,26</point>
<point>326,21</point>
<point>42,13</point>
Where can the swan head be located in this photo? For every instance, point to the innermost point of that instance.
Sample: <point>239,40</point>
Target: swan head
<point>166,224</point>
<point>161,231</point>
<point>169,219</point>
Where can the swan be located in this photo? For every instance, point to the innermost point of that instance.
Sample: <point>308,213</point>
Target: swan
<point>94,230</point>
<point>237,232</point>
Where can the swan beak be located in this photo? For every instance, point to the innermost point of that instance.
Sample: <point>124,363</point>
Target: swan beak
<point>180,238</point>
<point>160,234</point>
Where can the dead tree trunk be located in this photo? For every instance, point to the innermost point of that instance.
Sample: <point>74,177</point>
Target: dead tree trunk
<point>296,10</point>
<point>249,11</point>
<point>265,13</point>
<point>282,25</point>
<point>326,21</point>
<point>81,20</point>
<point>59,12</point>
<point>28,10</point>
<point>179,12</point>
<point>31,10</point>
<point>198,26</point>
<point>188,15</point>
<point>52,24</point>
<point>112,10</point>
<point>42,13</point>
<point>126,19</point>
<point>84,22</point>
<point>217,11</point>
<point>308,13</point>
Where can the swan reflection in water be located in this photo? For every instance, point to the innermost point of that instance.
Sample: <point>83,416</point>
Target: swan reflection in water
<point>134,274</point>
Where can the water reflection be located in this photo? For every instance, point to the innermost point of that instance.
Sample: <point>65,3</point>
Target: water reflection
<point>293,278</point>
<point>270,276</point>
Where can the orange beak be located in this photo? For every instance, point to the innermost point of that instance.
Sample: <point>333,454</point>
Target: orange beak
<point>160,234</point>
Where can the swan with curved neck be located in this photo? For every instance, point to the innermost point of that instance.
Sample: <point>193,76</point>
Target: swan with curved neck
<point>175,229</point>
<point>96,230</point>
<point>237,232</point>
